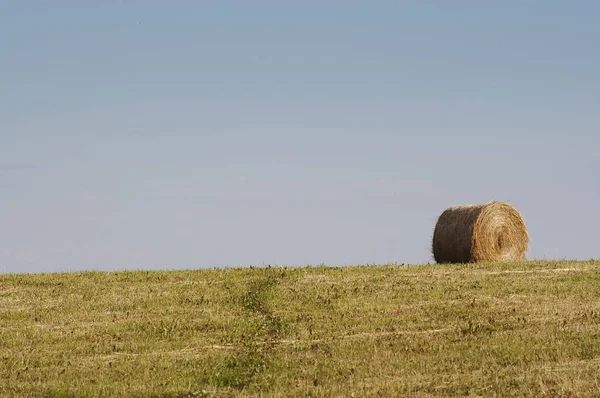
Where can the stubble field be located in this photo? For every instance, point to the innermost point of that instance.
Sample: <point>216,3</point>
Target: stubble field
<point>517,329</point>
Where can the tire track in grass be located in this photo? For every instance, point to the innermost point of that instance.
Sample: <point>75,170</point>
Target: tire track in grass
<point>257,333</point>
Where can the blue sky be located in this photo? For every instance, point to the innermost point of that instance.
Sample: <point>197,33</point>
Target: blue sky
<point>159,135</point>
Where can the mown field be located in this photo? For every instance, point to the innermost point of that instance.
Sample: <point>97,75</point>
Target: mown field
<point>522,329</point>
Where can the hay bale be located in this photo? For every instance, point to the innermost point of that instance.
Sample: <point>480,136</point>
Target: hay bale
<point>476,233</point>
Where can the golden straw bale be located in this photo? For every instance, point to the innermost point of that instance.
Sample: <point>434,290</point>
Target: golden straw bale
<point>480,233</point>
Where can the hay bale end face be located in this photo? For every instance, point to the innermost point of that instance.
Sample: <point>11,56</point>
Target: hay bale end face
<point>480,233</point>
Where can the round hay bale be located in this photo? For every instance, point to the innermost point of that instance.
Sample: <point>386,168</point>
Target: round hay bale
<point>480,233</point>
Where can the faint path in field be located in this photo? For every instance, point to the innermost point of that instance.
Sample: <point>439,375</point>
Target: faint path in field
<point>568,365</point>
<point>357,336</point>
<point>536,271</point>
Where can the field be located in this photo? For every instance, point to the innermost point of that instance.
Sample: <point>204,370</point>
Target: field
<point>518,329</point>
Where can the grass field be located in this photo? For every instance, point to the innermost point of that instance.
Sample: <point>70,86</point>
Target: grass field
<point>522,329</point>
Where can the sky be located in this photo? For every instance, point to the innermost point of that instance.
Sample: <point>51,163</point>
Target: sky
<point>187,134</point>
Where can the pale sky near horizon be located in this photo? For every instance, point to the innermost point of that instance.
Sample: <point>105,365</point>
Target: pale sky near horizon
<point>188,134</point>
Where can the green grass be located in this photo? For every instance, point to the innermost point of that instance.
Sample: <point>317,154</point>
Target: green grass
<point>522,329</point>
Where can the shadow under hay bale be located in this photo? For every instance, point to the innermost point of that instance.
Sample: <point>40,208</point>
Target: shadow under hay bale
<point>480,233</point>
